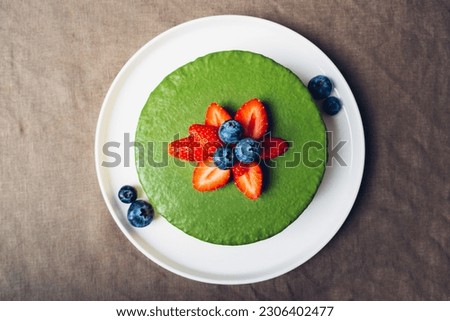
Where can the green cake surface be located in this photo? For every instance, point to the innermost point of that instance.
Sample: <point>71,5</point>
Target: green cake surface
<point>225,216</point>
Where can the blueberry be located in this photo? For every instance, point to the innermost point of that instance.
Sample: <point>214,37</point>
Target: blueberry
<point>223,157</point>
<point>331,105</point>
<point>230,131</point>
<point>247,150</point>
<point>320,87</point>
<point>127,194</point>
<point>140,213</point>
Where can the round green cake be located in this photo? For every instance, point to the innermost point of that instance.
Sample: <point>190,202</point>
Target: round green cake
<point>225,216</point>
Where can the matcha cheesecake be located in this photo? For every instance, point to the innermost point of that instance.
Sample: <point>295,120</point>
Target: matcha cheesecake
<point>230,148</point>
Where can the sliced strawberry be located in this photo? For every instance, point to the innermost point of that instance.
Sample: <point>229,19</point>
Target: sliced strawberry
<point>186,149</point>
<point>208,177</point>
<point>208,138</point>
<point>272,147</point>
<point>216,115</point>
<point>253,117</point>
<point>204,134</point>
<point>248,179</point>
<point>239,169</point>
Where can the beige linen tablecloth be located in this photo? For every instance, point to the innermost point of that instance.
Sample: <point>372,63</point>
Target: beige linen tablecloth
<point>57,239</point>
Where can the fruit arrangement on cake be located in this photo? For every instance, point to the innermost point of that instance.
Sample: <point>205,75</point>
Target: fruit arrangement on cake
<point>224,145</point>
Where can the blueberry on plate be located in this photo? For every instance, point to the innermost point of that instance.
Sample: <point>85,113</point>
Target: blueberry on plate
<point>127,194</point>
<point>140,213</point>
<point>320,87</point>
<point>223,157</point>
<point>331,105</point>
<point>230,131</point>
<point>247,150</point>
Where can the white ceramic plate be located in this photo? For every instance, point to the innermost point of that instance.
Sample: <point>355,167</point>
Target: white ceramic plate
<point>165,244</point>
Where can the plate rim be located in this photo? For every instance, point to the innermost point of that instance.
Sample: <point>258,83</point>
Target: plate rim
<point>247,280</point>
